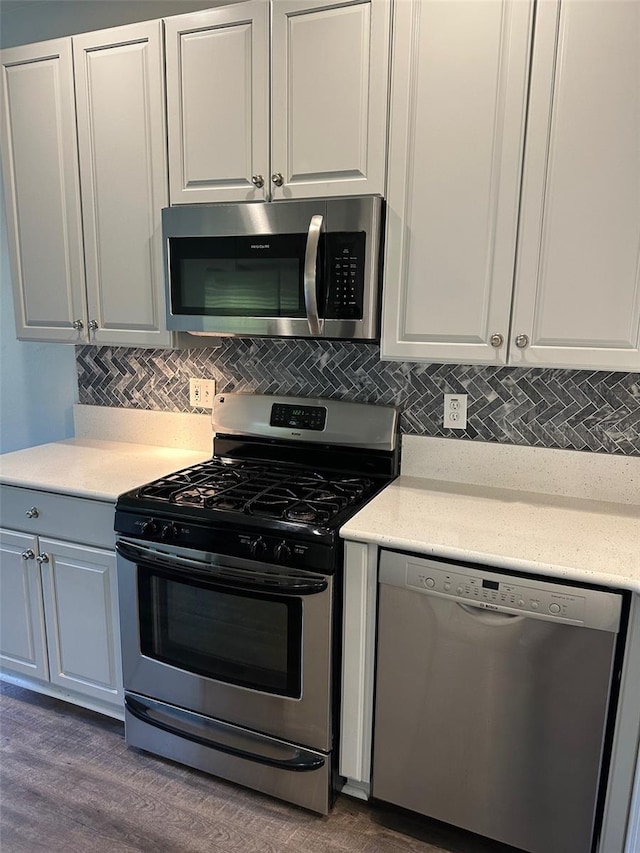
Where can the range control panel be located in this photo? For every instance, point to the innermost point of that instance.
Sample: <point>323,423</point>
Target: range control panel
<point>497,593</point>
<point>345,279</point>
<point>298,417</point>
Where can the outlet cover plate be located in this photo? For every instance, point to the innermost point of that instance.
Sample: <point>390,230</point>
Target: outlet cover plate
<point>455,411</point>
<point>201,393</point>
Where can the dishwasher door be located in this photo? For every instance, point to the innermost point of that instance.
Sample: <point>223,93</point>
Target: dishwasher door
<point>492,694</point>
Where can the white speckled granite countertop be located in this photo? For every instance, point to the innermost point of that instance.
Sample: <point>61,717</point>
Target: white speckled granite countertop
<point>585,540</point>
<point>92,468</point>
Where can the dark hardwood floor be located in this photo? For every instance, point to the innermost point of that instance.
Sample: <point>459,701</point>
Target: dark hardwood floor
<point>69,783</point>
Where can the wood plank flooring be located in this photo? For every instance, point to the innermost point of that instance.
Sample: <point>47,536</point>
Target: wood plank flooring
<point>69,783</point>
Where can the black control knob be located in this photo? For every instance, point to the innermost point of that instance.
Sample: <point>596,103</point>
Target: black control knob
<point>169,532</point>
<point>258,547</point>
<point>282,552</point>
<point>149,527</point>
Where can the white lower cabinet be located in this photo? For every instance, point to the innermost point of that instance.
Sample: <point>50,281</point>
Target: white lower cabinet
<point>23,645</point>
<point>59,628</point>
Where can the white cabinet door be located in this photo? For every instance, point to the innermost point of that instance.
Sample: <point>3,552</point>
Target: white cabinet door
<point>81,607</point>
<point>23,646</point>
<point>577,296</point>
<point>459,82</point>
<point>123,166</point>
<point>40,167</point>
<point>218,104</point>
<point>330,68</point>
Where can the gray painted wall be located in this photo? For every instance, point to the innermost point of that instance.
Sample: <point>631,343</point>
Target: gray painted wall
<point>38,383</point>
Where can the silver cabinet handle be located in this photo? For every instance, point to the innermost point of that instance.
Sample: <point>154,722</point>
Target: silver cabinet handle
<point>78,325</point>
<point>28,554</point>
<point>309,278</point>
<point>93,325</point>
<point>257,181</point>
<point>277,179</point>
<point>522,341</point>
<point>34,512</point>
<point>496,340</point>
<point>42,558</point>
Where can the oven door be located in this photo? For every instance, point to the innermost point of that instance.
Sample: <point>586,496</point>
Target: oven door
<point>235,640</point>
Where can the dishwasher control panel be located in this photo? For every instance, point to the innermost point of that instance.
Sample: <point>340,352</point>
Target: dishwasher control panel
<point>497,592</point>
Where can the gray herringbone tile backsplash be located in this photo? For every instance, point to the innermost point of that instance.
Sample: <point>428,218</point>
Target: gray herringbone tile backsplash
<point>576,409</point>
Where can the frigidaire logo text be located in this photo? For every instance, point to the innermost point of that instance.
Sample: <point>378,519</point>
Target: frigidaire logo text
<point>260,246</point>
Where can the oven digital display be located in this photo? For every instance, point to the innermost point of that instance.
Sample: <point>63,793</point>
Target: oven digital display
<point>298,417</point>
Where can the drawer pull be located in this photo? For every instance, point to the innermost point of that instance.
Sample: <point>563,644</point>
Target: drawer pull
<point>42,558</point>
<point>34,512</point>
<point>28,554</point>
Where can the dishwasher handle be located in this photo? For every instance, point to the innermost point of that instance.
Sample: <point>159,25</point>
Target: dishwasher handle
<point>490,617</point>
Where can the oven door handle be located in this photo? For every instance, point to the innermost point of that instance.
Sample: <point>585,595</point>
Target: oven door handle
<point>159,717</point>
<point>286,582</point>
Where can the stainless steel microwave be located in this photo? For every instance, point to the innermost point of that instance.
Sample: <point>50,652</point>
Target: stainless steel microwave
<point>308,269</point>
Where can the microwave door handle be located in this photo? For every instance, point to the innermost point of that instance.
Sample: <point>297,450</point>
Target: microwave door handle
<point>310,282</point>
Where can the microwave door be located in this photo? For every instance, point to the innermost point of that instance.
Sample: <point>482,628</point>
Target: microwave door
<point>310,280</point>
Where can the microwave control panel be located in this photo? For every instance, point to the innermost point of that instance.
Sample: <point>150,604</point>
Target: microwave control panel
<point>345,257</point>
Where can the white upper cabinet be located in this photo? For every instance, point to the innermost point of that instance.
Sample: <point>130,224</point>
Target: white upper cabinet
<point>457,200</point>
<point>107,288</point>
<point>123,167</point>
<point>330,66</point>
<point>218,104</point>
<point>297,112</point>
<point>577,296</point>
<point>42,193</point>
<point>459,82</point>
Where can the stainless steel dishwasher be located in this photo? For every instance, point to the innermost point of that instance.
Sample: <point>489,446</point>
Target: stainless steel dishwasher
<point>492,695</point>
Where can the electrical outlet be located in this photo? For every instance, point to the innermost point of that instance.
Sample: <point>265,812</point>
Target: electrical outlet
<point>201,393</point>
<point>455,411</point>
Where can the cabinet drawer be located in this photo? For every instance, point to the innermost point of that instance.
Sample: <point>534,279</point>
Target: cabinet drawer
<point>60,516</point>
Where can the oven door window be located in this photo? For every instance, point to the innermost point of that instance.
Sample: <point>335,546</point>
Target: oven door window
<point>258,276</point>
<point>234,636</point>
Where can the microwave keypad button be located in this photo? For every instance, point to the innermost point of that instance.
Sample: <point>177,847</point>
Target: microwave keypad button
<point>344,299</point>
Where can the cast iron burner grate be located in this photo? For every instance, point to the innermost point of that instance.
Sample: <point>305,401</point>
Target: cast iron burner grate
<point>255,489</point>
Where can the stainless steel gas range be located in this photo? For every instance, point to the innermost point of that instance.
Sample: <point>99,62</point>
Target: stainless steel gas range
<point>229,576</point>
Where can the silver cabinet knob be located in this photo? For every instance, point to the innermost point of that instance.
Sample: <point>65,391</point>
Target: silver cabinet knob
<point>28,554</point>
<point>78,325</point>
<point>257,181</point>
<point>34,512</point>
<point>93,325</point>
<point>42,558</point>
<point>496,340</point>
<point>277,179</point>
<point>522,341</point>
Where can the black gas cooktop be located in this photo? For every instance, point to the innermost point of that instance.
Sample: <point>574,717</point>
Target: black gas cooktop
<point>272,492</point>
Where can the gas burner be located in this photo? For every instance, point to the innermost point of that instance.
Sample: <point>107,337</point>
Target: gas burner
<point>270,505</point>
<point>326,496</point>
<point>196,496</point>
<point>227,502</point>
<point>312,512</point>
